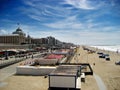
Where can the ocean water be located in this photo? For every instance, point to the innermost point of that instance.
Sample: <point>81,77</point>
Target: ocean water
<point>115,48</point>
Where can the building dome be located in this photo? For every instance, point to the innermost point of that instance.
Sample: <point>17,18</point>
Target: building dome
<point>19,31</point>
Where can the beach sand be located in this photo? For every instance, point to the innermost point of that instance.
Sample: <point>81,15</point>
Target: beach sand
<point>106,70</point>
<point>25,83</point>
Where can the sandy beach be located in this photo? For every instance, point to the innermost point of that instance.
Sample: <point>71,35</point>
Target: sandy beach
<point>106,70</point>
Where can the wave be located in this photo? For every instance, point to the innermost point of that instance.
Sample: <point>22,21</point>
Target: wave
<point>115,48</point>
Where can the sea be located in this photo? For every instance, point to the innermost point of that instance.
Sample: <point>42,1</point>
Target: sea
<point>114,48</point>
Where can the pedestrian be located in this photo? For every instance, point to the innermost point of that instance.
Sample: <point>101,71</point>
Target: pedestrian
<point>32,56</point>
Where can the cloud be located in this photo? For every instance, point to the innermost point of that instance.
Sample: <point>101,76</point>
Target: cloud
<point>68,23</point>
<point>56,11</point>
<point>7,20</point>
<point>29,2</point>
<point>3,32</point>
<point>41,11</point>
<point>81,4</point>
<point>74,23</point>
<point>90,4</point>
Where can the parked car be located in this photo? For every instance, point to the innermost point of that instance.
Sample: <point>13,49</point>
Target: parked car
<point>107,58</point>
<point>99,53</point>
<point>106,54</point>
<point>102,56</point>
<point>117,63</point>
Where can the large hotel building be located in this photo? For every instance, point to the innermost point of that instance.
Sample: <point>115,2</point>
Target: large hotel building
<point>17,37</point>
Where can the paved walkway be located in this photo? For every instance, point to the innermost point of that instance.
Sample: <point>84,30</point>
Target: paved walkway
<point>9,70</point>
<point>13,60</point>
<point>100,83</point>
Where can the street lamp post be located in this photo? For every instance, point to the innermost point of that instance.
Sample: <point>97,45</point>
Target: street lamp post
<point>6,55</point>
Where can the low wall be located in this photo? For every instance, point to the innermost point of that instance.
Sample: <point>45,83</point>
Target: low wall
<point>31,70</point>
<point>9,62</point>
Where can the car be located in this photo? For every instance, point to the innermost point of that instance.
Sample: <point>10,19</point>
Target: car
<point>107,58</point>
<point>100,53</point>
<point>106,54</point>
<point>117,63</point>
<point>102,56</point>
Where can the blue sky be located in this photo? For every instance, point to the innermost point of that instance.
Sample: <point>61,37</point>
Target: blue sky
<point>89,22</point>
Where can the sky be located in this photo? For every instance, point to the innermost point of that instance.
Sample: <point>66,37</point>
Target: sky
<point>84,22</point>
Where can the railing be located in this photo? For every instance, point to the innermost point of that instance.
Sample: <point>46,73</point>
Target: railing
<point>10,61</point>
<point>4,63</point>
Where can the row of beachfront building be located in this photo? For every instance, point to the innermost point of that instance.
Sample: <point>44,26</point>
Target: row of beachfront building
<point>18,39</point>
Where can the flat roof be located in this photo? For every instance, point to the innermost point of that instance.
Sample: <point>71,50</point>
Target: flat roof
<point>9,35</point>
<point>66,70</point>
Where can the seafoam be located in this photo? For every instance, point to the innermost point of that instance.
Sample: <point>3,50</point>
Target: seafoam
<point>115,48</point>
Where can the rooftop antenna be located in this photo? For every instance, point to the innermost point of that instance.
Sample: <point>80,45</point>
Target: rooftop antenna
<point>18,25</point>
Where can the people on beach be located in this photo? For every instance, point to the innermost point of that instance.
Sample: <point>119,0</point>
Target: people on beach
<point>117,51</point>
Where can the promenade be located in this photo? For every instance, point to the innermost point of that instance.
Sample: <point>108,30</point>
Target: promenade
<point>7,71</point>
<point>14,59</point>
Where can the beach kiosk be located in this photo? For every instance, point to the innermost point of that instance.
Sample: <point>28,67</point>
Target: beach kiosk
<point>65,77</point>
